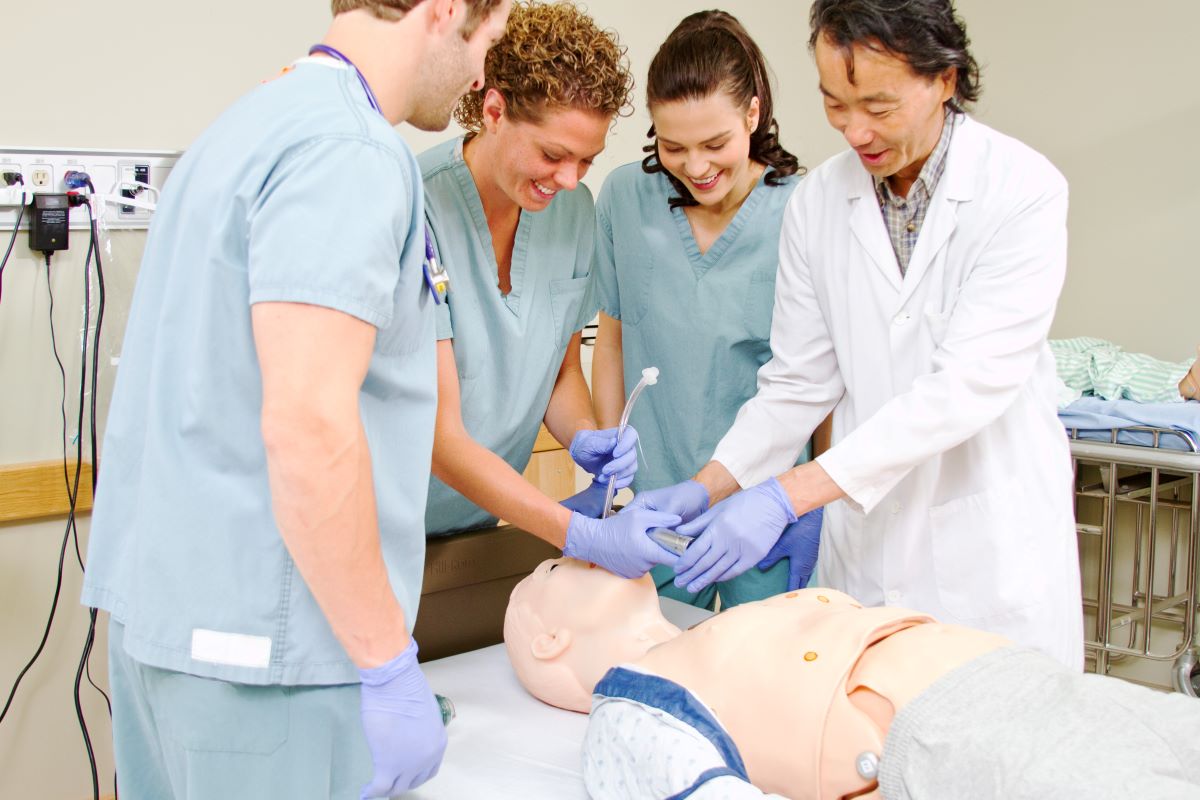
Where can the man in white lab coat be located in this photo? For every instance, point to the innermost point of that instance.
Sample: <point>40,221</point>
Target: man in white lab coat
<point>918,277</point>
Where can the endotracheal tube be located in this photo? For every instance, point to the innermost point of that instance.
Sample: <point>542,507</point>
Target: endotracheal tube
<point>649,378</point>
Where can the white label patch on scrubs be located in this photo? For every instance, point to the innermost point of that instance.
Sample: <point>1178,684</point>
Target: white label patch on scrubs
<point>232,649</point>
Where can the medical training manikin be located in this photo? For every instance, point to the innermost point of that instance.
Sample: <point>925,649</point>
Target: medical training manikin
<point>796,695</point>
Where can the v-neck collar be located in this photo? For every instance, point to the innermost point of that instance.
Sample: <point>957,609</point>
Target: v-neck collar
<point>516,272</point>
<point>703,262</point>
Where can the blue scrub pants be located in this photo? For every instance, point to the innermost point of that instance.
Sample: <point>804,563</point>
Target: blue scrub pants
<point>180,737</point>
<point>751,585</point>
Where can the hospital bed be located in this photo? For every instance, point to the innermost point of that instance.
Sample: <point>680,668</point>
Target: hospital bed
<point>1137,493</point>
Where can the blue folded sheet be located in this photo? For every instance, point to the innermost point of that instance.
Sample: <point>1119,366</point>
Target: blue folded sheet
<point>1095,419</point>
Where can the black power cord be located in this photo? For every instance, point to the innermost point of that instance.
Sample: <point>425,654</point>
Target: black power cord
<point>85,658</point>
<point>71,531</point>
<point>72,490</point>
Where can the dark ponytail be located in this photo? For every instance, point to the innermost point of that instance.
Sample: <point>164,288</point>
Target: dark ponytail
<point>710,51</point>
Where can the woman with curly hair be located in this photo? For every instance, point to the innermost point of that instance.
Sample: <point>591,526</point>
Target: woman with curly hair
<point>686,248</point>
<point>514,227</point>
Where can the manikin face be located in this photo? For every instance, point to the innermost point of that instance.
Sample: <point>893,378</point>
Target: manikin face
<point>705,143</point>
<point>452,67</point>
<point>569,622</point>
<point>889,114</point>
<point>536,160</point>
<point>585,597</point>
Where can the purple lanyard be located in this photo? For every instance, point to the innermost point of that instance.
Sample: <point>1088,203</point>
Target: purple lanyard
<point>435,275</point>
<point>331,52</point>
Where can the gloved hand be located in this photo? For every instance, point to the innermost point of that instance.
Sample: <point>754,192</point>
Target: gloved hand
<point>601,454</point>
<point>733,535</point>
<point>403,725</point>
<point>688,500</point>
<point>798,544</point>
<point>589,502</point>
<point>621,543</point>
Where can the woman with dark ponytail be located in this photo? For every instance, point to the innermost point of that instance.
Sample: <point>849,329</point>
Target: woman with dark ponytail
<point>686,250</point>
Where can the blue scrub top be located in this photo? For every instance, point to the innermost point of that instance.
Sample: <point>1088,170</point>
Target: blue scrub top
<point>299,193</point>
<point>703,319</point>
<point>508,348</point>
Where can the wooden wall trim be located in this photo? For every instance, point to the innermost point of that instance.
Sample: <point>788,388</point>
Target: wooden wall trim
<point>37,490</point>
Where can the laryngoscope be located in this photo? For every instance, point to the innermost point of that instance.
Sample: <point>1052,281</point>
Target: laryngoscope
<point>675,542</point>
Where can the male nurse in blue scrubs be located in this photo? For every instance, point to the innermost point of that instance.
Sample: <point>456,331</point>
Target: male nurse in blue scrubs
<point>278,366</point>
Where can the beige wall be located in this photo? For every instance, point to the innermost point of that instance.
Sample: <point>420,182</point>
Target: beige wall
<point>1098,87</point>
<point>1104,94</point>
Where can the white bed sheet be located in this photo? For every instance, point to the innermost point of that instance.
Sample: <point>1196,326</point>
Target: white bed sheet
<point>503,742</point>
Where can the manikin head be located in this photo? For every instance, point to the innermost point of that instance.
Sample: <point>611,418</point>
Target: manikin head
<point>569,622</point>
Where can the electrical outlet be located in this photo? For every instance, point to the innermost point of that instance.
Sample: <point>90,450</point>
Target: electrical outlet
<point>44,171</point>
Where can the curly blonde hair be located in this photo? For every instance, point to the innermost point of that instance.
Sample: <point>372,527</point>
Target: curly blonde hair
<point>392,10</point>
<point>553,55</point>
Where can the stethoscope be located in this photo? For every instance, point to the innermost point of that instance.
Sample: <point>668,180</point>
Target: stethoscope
<point>436,276</point>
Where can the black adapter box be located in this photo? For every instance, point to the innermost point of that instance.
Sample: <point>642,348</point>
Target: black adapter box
<point>49,222</point>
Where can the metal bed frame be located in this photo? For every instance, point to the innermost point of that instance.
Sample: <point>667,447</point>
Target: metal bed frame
<point>1156,485</point>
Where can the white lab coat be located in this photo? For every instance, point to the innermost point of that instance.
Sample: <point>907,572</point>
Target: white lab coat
<point>945,436</point>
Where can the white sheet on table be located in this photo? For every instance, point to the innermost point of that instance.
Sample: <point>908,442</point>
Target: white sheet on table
<point>503,742</point>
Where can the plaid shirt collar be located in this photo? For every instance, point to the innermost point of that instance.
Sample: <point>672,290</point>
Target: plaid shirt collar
<point>931,172</point>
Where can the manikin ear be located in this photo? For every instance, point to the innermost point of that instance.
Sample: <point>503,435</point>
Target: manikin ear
<point>494,106</point>
<point>752,114</point>
<point>549,646</point>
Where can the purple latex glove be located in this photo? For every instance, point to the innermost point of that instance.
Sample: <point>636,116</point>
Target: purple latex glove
<point>798,544</point>
<point>688,500</point>
<point>621,543</point>
<point>403,725</point>
<point>601,454</point>
<point>589,502</point>
<point>733,535</point>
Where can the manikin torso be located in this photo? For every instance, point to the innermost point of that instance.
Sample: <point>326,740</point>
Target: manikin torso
<point>755,665</point>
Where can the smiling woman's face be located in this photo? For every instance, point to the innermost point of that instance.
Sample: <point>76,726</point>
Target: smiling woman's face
<point>534,161</point>
<point>705,144</point>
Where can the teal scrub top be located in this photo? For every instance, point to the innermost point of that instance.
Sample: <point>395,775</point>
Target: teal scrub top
<point>184,548</point>
<point>508,348</point>
<point>703,319</point>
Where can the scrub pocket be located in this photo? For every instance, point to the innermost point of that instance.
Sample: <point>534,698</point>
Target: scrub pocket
<point>204,715</point>
<point>759,304</point>
<point>987,555</point>
<point>566,304</point>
